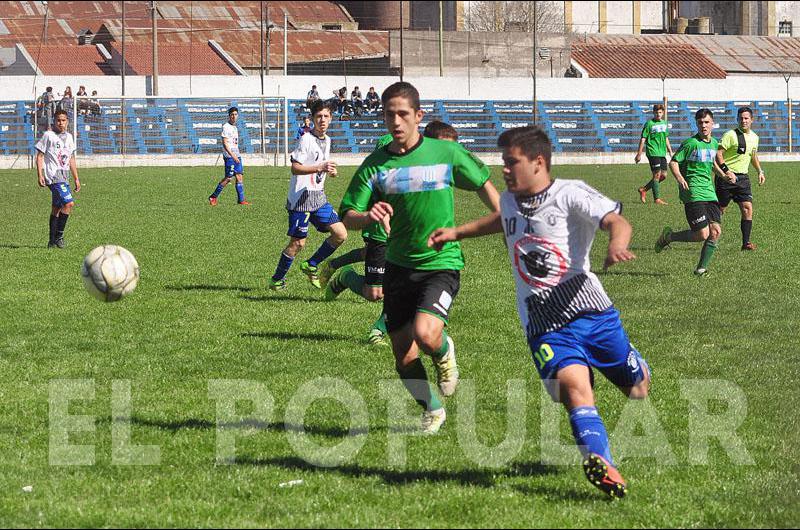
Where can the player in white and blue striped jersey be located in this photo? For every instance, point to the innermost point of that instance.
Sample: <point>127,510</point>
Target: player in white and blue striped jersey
<point>232,159</point>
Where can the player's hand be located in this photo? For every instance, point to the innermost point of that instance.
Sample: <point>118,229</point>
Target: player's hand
<point>235,159</point>
<point>731,176</point>
<point>41,181</point>
<point>637,158</point>
<point>761,178</point>
<point>440,236</point>
<point>328,167</point>
<point>77,185</point>
<point>386,223</point>
<point>379,211</point>
<point>617,255</point>
<point>682,183</point>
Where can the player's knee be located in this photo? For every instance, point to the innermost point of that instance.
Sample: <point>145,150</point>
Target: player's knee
<point>239,178</point>
<point>715,232</point>
<point>67,208</point>
<point>226,181</point>
<point>427,339</point>
<point>702,234</point>
<point>295,246</point>
<point>640,390</point>
<point>372,294</point>
<point>747,209</point>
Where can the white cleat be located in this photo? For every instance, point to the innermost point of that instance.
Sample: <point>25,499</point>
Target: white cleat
<point>447,370</point>
<point>432,421</point>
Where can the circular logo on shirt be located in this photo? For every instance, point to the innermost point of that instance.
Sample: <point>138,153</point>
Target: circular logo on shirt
<point>539,262</point>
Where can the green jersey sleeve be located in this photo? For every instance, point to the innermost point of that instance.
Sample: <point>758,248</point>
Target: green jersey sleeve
<point>469,171</point>
<point>359,192</point>
<point>646,129</point>
<point>685,149</point>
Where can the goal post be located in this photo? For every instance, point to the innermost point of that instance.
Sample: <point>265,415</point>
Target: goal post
<point>158,130</point>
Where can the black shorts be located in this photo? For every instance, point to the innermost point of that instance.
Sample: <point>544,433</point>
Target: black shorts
<point>737,192</point>
<point>701,213</point>
<point>407,292</point>
<point>374,262</point>
<point>657,163</point>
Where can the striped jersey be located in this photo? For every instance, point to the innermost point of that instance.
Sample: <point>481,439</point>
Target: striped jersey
<point>307,192</point>
<point>57,150</point>
<point>549,238</point>
<point>231,132</point>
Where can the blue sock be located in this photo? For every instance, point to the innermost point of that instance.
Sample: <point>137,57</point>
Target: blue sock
<point>283,267</point>
<point>217,191</point>
<point>322,253</point>
<point>240,191</point>
<point>589,432</point>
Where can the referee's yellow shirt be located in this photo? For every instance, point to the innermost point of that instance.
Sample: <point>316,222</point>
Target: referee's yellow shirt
<point>738,163</point>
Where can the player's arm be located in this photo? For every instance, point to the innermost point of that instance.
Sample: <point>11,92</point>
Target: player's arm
<point>669,147</point>
<point>721,168</point>
<point>73,169</point>
<point>379,212</point>
<point>619,237</point>
<point>328,166</point>
<point>489,196</point>
<point>757,164</point>
<point>40,168</point>
<point>488,224</point>
<point>676,172</point>
<point>226,146</point>
<point>638,156</point>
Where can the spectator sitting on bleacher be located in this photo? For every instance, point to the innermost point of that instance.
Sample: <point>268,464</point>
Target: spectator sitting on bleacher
<point>83,104</point>
<point>341,99</point>
<point>67,103</point>
<point>306,127</point>
<point>373,100</point>
<point>357,101</point>
<point>312,96</point>
<point>94,104</point>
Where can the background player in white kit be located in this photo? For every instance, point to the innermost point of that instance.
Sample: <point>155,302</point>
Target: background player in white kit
<point>307,202</point>
<point>55,160</point>
<point>571,324</point>
<point>232,159</point>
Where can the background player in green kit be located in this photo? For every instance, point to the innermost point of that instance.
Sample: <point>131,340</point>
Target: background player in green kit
<point>413,180</point>
<point>694,166</point>
<point>737,149</point>
<point>655,136</point>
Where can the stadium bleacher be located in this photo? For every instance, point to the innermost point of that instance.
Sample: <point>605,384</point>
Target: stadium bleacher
<point>191,126</point>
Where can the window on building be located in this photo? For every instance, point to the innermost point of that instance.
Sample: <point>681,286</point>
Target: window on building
<point>785,28</point>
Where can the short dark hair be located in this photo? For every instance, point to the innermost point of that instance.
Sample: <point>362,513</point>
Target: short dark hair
<point>59,112</point>
<point>440,130</point>
<point>531,140</point>
<point>320,105</point>
<point>404,90</point>
<point>232,110</point>
<point>658,106</point>
<point>702,113</point>
<point>48,89</point>
<point>742,110</point>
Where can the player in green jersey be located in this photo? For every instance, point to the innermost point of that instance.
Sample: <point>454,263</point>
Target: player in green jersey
<point>655,136</point>
<point>737,149</point>
<point>693,166</point>
<point>413,180</point>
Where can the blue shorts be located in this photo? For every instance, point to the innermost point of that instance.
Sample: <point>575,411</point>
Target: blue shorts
<point>62,194</point>
<point>321,219</point>
<point>232,168</point>
<point>596,340</point>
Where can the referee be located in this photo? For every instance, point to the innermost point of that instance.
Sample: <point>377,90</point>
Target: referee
<point>737,149</point>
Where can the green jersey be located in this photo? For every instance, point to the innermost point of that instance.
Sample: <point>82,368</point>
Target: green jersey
<point>375,231</point>
<point>419,187</point>
<point>736,161</point>
<point>696,160</point>
<point>655,134</point>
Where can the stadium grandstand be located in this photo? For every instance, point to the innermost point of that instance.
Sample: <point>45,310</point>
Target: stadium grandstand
<point>263,57</point>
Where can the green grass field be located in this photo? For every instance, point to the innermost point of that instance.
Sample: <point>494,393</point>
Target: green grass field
<point>202,312</point>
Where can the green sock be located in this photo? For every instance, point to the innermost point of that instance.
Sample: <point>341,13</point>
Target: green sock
<point>648,185</point>
<point>380,324</point>
<point>354,256</point>
<point>353,280</point>
<point>443,348</point>
<point>416,382</point>
<point>708,251</point>
<point>656,185</point>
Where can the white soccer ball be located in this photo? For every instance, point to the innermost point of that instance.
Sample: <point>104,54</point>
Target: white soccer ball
<point>110,272</point>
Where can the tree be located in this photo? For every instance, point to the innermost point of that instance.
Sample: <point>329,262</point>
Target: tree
<point>515,16</point>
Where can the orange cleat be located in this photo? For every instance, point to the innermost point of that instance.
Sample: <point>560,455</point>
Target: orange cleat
<point>604,476</point>
<point>661,202</point>
<point>643,194</point>
<point>212,201</point>
<point>748,246</point>
<point>244,203</point>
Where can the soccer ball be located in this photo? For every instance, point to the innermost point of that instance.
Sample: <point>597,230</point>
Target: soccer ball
<point>110,272</point>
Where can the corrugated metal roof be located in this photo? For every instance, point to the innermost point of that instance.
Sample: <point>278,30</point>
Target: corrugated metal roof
<point>68,60</point>
<point>175,60</point>
<point>675,61</point>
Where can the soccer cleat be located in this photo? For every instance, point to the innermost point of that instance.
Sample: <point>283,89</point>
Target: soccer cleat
<point>212,201</point>
<point>244,203</point>
<point>642,194</point>
<point>277,285</point>
<point>432,421</point>
<point>701,273</point>
<point>58,243</point>
<point>377,338</point>
<point>662,202</point>
<point>447,370</point>
<point>748,246</point>
<point>604,476</point>
<point>663,240</point>
<point>325,273</point>
<point>311,272</point>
